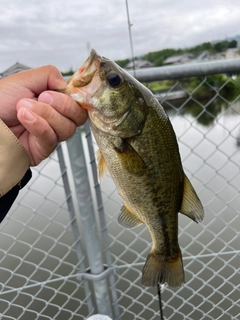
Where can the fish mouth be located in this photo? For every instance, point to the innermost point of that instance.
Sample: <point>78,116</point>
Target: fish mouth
<point>84,83</point>
<point>86,72</point>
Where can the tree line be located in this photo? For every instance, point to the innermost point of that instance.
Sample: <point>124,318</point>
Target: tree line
<point>158,57</point>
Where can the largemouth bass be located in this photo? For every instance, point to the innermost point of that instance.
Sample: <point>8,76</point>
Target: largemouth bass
<point>138,146</point>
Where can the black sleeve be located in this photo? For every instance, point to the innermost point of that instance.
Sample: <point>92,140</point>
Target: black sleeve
<point>7,200</point>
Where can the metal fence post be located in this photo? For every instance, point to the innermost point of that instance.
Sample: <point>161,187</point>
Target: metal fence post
<point>88,220</point>
<point>75,228</point>
<point>102,218</point>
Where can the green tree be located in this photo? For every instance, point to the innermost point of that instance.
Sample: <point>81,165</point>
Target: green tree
<point>221,46</point>
<point>232,44</point>
<point>122,63</point>
<point>68,73</point>
<point>157,57</point>
<point>206,46</point>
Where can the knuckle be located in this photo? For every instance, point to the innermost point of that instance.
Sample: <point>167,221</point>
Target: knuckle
<point>50,68</point>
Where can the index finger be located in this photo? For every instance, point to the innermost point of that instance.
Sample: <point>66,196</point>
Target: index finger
<point>34,81</point>
<point>64,105</point>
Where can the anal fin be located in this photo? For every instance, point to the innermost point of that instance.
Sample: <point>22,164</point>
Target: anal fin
<point>191,205</point>
<point>127,219</point>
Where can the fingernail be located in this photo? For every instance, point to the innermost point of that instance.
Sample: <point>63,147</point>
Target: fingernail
<point>45,97</point>
<point>28,115</point>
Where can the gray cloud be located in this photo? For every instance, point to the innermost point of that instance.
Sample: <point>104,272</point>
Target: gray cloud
<point>58,32</point>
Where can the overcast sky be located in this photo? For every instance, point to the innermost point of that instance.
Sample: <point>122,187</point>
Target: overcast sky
<point>59,32</point>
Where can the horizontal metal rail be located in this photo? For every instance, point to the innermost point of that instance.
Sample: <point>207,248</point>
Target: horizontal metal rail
<point>187,70</point>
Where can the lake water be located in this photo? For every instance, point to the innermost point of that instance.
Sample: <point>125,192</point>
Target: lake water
<point>37,243</point>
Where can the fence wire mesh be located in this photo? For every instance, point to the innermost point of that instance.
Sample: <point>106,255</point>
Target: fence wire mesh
<point>44,265</point>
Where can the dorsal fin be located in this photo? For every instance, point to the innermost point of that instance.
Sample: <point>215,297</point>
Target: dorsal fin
<point>191,205</point>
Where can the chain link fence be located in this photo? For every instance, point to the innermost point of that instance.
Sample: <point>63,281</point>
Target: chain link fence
<point>63,254</point>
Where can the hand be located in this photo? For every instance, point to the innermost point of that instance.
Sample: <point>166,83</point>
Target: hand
<point>39,118</point>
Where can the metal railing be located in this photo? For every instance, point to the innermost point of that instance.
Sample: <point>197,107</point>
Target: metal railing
<point>187,70</point>
<point>62,253</point>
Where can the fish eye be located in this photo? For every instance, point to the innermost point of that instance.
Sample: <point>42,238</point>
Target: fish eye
<point>113,79</point>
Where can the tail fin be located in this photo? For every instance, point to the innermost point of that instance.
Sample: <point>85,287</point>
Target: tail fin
<point>159,270</point>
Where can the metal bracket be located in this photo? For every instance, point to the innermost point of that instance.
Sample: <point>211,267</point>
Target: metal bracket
<point>95,277</point>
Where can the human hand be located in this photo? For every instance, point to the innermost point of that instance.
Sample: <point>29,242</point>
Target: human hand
<point>38,117</point>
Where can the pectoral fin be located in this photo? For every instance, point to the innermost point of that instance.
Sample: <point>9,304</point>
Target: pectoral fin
<point>131,161</point>
<point>191,205</point>
<point>101,165</point>
<point>127,219</point>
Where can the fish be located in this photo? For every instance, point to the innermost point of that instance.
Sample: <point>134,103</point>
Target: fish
<point>138,147</point>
